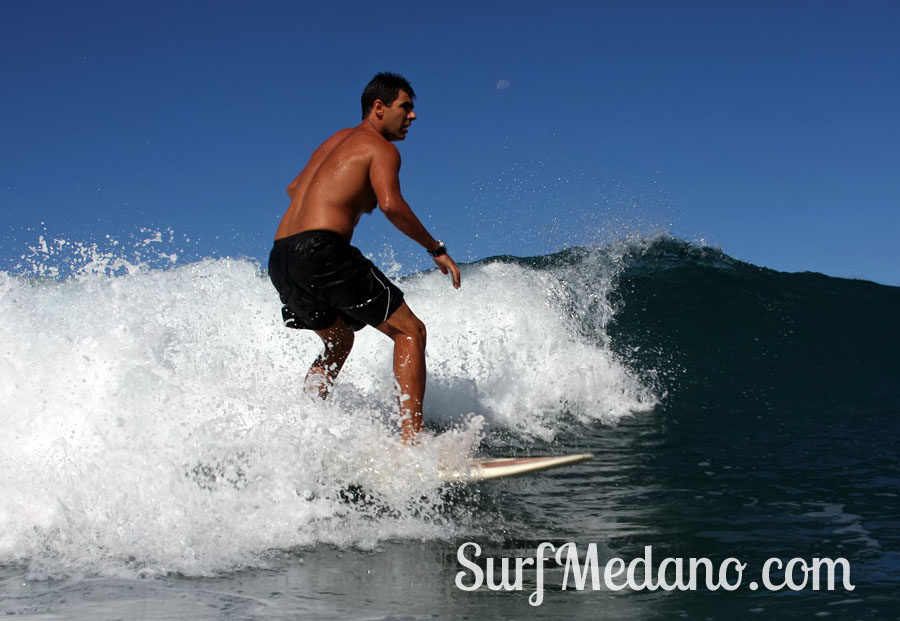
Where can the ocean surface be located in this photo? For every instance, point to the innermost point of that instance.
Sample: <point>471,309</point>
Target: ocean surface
<point>159,459</point>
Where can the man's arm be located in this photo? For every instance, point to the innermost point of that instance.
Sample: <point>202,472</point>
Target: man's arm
<point>384,175</point>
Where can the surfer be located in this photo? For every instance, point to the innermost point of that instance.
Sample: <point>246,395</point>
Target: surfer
<point>327,285</point>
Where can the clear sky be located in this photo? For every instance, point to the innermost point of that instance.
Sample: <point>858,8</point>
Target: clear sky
<point>768,128</point>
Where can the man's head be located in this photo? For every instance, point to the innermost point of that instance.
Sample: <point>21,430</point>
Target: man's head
<point>386,87</point>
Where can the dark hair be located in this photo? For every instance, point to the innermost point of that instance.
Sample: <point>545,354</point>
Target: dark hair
<point>386,87</point>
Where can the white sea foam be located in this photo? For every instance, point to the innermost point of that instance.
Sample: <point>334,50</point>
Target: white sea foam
<point>153,420</point>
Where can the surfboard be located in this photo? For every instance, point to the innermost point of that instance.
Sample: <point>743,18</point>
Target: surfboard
<point>485,469</point>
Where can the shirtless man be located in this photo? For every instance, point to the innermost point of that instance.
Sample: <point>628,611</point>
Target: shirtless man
<point>325,284</point>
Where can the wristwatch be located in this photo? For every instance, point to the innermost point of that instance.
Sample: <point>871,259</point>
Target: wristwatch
<point>438,250</point>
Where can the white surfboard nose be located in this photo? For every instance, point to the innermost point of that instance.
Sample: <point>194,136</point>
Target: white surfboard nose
<point>484,469</point>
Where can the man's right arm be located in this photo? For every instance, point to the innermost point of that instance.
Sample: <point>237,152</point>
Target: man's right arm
<point>384,175</point>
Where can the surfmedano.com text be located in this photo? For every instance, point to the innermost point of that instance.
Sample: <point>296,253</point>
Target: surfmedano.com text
<point>638,574</point>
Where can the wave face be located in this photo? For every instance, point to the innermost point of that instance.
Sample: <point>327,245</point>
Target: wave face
<point>733,333</point>
<point>777,428</point>
<point>153,419</point>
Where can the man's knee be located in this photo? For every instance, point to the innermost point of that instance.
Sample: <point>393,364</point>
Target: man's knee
<point>338,339</point>
<point>414,329</point>
<point>418,331</point>
<point>403,323</point>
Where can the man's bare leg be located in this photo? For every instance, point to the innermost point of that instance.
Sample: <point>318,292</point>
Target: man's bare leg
<point>408,334</point>
<point>338,341</point>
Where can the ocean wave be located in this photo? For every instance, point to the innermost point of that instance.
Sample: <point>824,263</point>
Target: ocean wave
<point>153,419</point>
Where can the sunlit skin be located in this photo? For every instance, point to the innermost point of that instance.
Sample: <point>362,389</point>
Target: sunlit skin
<point>351,173</point>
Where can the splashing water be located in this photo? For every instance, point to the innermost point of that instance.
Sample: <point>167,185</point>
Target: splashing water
<point>153,419</point>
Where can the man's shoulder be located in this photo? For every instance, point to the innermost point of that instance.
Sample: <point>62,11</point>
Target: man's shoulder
<point>357,143</point>
<point>337,138</point>
<point>358,139</point>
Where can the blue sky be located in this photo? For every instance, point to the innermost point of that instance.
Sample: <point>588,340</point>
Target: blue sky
<point>769,129</point>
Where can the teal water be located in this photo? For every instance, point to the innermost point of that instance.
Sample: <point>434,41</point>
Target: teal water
<point>735,412</point>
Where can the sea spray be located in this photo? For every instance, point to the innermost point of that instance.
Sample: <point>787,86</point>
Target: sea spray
<point>153,419</point>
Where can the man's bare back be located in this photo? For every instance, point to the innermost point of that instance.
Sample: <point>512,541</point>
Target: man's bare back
<point>333,190</point>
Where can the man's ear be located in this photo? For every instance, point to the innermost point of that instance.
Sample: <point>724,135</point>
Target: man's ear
<point>378,108</point>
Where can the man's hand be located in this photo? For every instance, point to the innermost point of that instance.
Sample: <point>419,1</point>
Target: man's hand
<point>448,265</point>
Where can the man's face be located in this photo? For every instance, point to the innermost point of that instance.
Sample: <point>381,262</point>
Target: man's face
<point>399,116</point>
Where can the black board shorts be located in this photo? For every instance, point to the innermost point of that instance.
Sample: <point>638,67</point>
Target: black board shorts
<point>320,277</point>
